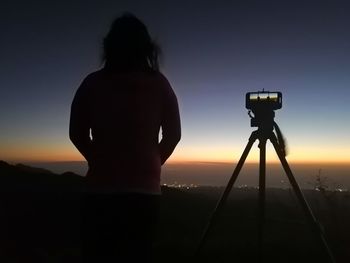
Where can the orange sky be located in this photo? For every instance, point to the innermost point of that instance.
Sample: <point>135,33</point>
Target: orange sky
<point>32,151</point>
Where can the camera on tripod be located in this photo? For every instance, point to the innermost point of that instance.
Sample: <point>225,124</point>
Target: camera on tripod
<point>262,104</point>
<point>261,107</point>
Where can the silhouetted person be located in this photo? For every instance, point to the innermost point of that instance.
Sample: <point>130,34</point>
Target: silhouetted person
<point>116,116</point>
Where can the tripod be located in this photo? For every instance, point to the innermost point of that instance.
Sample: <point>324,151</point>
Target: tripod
<point>264,133</point>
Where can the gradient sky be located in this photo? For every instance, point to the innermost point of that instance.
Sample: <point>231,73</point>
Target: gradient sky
<point>212,55</point>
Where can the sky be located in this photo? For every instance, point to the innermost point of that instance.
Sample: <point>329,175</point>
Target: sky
<point>212,55</point>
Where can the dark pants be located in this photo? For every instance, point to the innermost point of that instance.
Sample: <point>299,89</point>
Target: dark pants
<point>118,227</point>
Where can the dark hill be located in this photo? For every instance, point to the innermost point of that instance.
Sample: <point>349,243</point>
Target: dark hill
<point>6,168</point>
<point>40,219</point>
<point>23,178</point>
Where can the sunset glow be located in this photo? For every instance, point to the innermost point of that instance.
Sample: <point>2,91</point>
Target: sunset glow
<point>301,50</point>
<point>61,152</point>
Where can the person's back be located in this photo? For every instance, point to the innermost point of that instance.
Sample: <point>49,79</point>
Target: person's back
<point>116,116</point>
<point>125,111</point>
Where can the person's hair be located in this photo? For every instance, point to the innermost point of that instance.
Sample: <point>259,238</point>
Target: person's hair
<point>128,45</point>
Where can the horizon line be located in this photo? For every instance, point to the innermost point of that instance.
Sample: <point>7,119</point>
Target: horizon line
<point>173,162</point>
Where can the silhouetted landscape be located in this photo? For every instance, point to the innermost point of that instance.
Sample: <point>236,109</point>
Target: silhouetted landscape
<point>41,209</point>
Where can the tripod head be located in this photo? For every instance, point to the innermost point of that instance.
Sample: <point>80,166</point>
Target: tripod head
<point>261,107</point>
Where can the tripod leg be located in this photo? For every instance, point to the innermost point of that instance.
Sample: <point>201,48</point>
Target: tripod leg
<point>262,185</point>
<point>225,194</point>
<point>315,227</point>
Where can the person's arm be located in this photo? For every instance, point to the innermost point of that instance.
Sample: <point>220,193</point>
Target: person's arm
<point>171,126</point>
<point>79,125</point>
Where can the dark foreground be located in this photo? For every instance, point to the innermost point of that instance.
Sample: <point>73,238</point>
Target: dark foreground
<point>40,222</point>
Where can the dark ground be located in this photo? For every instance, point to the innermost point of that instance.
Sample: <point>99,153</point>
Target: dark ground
<point>40,222</point>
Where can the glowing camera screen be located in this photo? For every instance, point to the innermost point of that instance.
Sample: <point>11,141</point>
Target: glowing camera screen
<point>266,99</point>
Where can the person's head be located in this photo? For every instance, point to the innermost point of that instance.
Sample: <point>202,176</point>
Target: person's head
<point>129,46</point>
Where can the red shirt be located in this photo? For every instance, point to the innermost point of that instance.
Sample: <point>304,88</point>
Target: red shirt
<point>115,123</point>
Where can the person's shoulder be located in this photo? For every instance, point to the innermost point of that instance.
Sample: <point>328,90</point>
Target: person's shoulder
<point>160,80</point>
<point>165,86</point>
<point>86,86</point>
<point>89,81</point>
<point>93,76</point>
<point>161,77</point>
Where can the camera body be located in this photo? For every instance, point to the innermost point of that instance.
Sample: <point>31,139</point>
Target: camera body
<point>263,104</point>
